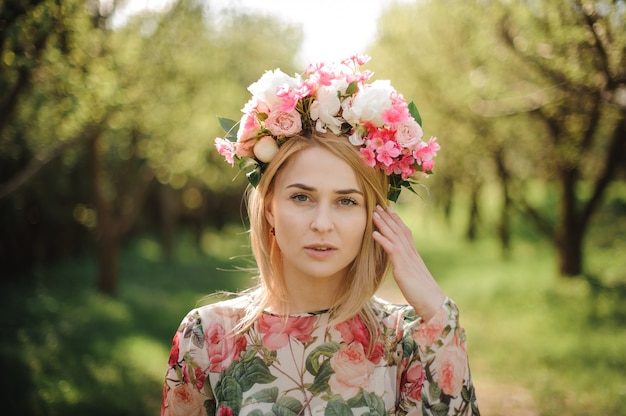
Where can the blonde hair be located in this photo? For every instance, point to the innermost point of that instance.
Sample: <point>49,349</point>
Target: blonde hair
<point>366,272</point>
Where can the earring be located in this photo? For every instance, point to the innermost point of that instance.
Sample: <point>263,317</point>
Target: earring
<point>273,231</point>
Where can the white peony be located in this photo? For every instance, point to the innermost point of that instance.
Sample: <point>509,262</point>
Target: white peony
<point>326,106</point>
<point>267,86</point>
<point>369,103</point>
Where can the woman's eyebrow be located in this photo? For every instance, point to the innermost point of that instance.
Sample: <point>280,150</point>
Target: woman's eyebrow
<point>312,189</point>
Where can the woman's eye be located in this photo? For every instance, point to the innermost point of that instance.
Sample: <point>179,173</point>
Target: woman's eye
<point>300,198</point>
<point>347,201</point>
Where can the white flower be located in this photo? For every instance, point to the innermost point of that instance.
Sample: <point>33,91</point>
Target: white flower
<point>265,149</point>
<point>369,103</point>
<point>267,86</point>
<point>356,139</point>
<point>326,106</point>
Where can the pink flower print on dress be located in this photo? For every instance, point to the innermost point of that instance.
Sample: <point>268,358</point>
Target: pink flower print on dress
<point>222,348</point>
<point>451,364</point>
<point>277,331</point>
<point>185,401</point>
<point>352,371</point>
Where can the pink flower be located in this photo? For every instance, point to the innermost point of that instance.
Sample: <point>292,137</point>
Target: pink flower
<point>387,153</point>
<point>200,377</point>
<point>222,348</point>
<point>248,127</point>
<point>174,352</point>
<point>428,165</point>
<point>426,151</point>
<point>245,149</point>
<point>369,156</point>
<point>184,400</point>
<point>352,371</point>
<point>451,365</point>
<point>354,330</point>
<point>224,411</point>
<point>284,124</point>
<point>277,331</point>
<point>413,380</point>
<point>226,148</point>
<point>399,111</point>
<point>431,331</point>
<point>409,134</point>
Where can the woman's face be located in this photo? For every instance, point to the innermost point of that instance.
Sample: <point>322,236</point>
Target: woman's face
<point>319,215</point>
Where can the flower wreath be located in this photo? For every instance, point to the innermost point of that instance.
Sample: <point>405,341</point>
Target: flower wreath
<point>336,97</point>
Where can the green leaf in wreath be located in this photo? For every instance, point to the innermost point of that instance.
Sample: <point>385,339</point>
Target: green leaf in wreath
<point>256,412</point>
<point>230,127</point>
<point>264,396</point>
<point>327,350</point>
<point>415,113</point>
<point>352,88</point>
<point>254,176</point>
<point>337,408</point>
<point>287,406</point>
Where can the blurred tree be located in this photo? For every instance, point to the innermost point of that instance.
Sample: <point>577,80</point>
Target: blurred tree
<point>142,101</point>
<point>536,92</point>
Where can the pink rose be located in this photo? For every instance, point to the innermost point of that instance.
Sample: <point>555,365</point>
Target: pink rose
<point>200,377</point>
<point>450,365</point>
<point>352,371</point>
<point>413,380</point>
<point>174,352</point>
<point>184,400</point>
<point>222,348</point>
<point>224,411</point>
<point>409,134</point>
<point>277,332</point>
<point>354,330</point>
<point>284,124</point>
<point>431,331</point>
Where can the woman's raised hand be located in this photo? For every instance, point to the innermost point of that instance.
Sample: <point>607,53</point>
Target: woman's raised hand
<point>409,270</point>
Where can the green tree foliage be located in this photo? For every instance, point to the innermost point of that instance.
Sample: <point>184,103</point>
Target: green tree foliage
<point>95,114</point>
<point>527,92</point>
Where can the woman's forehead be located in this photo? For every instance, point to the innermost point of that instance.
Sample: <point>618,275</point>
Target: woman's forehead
<point>318,168</point>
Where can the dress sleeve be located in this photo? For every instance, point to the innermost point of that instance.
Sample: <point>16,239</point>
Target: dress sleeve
<point>186,390</point>
<point>441,358</point>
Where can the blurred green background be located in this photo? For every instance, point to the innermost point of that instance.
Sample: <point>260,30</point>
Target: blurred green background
<point>117,216</point>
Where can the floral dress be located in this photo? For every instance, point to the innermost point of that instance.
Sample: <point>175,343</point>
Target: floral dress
<point>303,366</point>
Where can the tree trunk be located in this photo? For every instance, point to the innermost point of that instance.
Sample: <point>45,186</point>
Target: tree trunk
<point>106,235</point>
<point>474,217</point>
<point>504,231</point>
<point>569,238</point>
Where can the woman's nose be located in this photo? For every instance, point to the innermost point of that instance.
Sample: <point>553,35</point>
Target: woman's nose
<point>322,221</point>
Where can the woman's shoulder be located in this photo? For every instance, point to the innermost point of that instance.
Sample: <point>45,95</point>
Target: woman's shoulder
<point>223,310</point>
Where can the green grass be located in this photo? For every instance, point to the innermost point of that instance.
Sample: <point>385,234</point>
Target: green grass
<point>69,351</point>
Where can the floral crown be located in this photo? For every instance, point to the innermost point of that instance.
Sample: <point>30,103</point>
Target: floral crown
<point>336,97</point>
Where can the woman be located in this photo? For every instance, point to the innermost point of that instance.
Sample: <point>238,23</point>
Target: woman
<point>324,152</point>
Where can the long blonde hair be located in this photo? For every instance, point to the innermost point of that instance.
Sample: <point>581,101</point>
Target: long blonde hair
<point>366,272</point>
